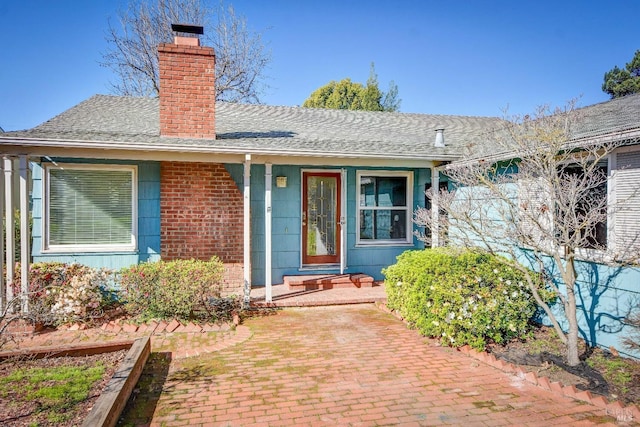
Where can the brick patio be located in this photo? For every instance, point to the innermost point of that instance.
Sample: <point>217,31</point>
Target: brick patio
<point>347,365</point>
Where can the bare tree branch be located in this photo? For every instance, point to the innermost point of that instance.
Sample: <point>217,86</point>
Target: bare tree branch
<point>241,57</point>
<point>540,200</point>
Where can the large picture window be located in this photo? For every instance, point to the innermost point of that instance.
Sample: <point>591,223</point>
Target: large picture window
<point>384,207</point>
<point>91,207</point>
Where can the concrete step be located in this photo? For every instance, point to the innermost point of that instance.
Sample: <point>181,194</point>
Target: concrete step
<point>324,281</point>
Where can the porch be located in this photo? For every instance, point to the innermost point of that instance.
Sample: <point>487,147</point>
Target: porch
<point>319,290</point>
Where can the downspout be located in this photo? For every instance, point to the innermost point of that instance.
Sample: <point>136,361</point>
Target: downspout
<point>247,231</point>
<point>267,232</point>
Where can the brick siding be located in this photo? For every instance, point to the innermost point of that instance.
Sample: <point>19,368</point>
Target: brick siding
<point>201,215</point>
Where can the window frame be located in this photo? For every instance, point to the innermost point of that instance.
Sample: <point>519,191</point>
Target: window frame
<point>408,239</point>
<point>47,247</point>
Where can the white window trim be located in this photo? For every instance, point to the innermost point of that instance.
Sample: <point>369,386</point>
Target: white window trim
<point>408,241</point>
<point>131,247</point>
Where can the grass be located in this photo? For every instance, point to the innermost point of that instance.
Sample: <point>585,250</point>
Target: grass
<point>55,389</point>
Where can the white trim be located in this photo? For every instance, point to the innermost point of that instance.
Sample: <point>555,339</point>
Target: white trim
<point>48,248</point>
<point>408,240</point>
<point>611,201</point>
<point>171,146</point>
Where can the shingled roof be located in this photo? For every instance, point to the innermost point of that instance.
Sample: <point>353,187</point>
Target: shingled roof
<point>133,123</point>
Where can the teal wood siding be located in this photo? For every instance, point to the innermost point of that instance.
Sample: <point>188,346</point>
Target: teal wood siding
<point>286,224</point>
<point>605,297</point>
<point>148,221</point>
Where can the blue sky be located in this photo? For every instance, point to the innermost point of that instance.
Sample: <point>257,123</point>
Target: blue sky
<point>447,57</point>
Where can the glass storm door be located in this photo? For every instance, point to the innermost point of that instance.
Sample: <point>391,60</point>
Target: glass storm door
<point>321,218</point>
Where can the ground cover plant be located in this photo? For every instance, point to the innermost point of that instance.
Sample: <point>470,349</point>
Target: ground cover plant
<point>461,296</point>
<point>56,391</point>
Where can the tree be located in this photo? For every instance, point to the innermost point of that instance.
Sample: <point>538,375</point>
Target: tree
<point>621,82</point>
<point>132,54</point>
<point>544,210</point>
<point>348,95</point>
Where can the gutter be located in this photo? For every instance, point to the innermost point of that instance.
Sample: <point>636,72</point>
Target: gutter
<point>114,145</point>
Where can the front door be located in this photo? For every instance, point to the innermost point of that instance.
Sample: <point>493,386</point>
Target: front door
<point>321,217</point>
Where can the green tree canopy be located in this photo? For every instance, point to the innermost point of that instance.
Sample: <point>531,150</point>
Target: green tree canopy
<point>621,82</point>
<point>348,95</point>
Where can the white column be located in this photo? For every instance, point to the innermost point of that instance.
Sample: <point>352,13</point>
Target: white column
<point>9,230</point>
<point>247,230</point>
<point>435,208</point>
<point>267,232</point>
<point>3,289</point>
<point>24,232</point>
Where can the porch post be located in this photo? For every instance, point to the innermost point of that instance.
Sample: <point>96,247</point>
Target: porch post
<point>9,226</point>
<point>435,207</point>
<point>4,302</point>
<point>267,232</point>
<point>24,232</point>
<point>247,230</point>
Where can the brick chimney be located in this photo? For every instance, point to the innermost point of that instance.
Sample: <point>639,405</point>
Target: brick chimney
<point>187,86</point>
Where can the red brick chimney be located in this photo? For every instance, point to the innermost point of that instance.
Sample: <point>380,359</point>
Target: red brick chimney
<point>187,87</point>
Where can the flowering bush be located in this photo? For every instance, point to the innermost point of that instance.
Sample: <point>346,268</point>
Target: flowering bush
<point>171,289</point>
<point>62,293</point>
<point>462,297</point>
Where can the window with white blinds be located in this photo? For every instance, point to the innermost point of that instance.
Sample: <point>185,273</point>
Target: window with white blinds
<point>91,206</point>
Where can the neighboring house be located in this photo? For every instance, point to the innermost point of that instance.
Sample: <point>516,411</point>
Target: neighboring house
<point>272,191</point>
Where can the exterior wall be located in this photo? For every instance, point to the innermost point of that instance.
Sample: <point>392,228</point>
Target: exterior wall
<point>201,213</point>
<point>286,225</point>
<point>605,297</point>
<point>148,221</point>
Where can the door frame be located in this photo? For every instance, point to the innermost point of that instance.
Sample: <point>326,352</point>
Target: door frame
<point>340,258</point>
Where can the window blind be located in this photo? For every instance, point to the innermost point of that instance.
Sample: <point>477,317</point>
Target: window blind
<point>90,206</point>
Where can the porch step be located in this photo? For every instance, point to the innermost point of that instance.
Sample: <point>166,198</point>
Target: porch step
<point>324,281</point>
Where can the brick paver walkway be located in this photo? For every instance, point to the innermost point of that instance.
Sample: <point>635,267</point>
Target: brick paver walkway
<point>342,366</point>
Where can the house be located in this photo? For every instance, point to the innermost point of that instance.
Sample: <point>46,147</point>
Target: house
<point>551,211</point>
<point>272,191</point>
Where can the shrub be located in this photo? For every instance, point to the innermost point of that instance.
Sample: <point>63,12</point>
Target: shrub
<point>171,289</point>
<point>461,296</point>
<point>62,293</point>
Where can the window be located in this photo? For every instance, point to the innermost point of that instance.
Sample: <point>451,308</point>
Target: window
<point>584,206</point>
<point>384,207</point>
<point>90,207</point>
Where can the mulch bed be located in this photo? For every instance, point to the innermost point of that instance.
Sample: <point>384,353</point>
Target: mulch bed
<point>543,354</point>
